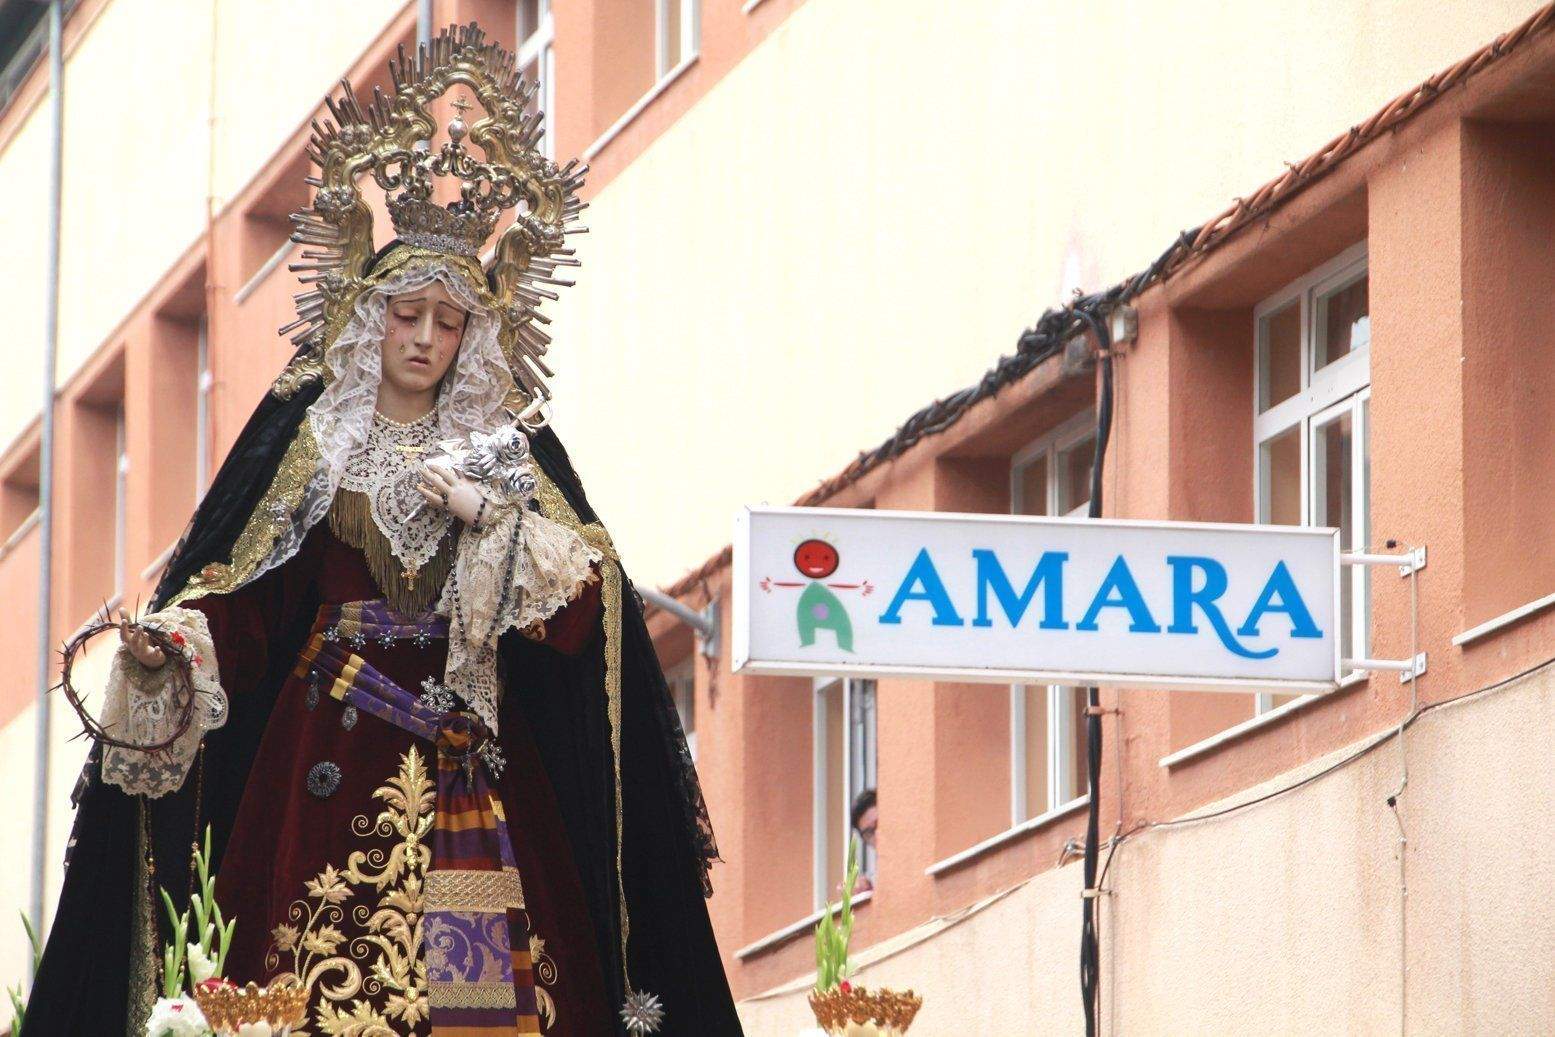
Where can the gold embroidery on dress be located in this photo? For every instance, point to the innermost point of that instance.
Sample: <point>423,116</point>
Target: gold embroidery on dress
<point>545,973</point>
<point>349,1002</point>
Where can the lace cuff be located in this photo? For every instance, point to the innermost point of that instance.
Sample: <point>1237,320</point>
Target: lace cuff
<point>143,707</point>
<point>519,569</point>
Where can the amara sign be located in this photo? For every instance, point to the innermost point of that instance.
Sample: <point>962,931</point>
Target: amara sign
<point>1007,598</point>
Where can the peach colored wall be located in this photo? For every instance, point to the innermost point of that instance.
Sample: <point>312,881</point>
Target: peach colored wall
<point>1509,396</point>
<point>623,34</point>
<point>1281,919</point>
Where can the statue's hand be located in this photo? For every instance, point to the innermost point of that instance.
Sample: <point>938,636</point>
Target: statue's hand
<point>447,489</point>
<point>134,636</point>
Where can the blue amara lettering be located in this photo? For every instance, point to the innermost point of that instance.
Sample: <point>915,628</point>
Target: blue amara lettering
<point>1198,584</point>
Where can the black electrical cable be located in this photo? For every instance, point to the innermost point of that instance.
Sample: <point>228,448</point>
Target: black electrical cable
<point>1052,330</point>
<point>1090,940</point>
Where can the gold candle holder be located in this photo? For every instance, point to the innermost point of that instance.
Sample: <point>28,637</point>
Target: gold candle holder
<point>227,1007</point>
<point>860,1012</point>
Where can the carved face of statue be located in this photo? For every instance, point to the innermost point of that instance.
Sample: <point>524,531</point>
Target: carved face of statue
<point>422,329</point>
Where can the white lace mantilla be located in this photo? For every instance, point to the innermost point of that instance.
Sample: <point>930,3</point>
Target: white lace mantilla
<point>471,399</point>
<point>142,707</point>
<point>387,470</point>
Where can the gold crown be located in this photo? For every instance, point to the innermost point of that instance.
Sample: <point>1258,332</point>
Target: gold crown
<point>442,229</point>
<point>458,228</point>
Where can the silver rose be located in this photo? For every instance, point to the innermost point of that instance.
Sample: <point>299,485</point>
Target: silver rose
<point>512,446</point>
<point>518,483</point>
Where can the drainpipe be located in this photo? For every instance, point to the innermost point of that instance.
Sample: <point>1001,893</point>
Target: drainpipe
<point>40,814</point>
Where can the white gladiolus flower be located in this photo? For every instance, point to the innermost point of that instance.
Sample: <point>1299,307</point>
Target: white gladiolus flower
<point>176,1017</point>
<point>201,967</point>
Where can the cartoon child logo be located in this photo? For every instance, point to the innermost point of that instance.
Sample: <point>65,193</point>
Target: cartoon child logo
<point>819,608</point>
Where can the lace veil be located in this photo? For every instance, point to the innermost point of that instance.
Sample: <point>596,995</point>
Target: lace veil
<point>471,399</point>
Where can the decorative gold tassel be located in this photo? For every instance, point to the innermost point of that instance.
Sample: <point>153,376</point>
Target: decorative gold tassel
<point>350,519</point>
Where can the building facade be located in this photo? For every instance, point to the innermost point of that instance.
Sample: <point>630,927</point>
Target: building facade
<point>812,216</point>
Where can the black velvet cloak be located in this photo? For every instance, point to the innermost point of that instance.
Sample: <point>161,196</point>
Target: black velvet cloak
<point>88,986</point>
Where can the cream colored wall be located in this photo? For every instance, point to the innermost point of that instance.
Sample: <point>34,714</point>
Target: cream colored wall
<point>67,754</point>
<point>1284,918</point>
<point>138,160</point>
<point>864,214</point>
<point>275,59</point>
<point>23,228</point>
<point>135,118</point>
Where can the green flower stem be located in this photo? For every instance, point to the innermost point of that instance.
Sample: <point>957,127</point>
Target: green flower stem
<point>834,932</point>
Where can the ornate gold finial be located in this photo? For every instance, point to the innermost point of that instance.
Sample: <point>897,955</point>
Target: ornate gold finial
<point>460,105</point>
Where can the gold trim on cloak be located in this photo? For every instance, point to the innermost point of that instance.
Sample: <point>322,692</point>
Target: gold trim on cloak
<point>555,507</point>
<point>266,523</point>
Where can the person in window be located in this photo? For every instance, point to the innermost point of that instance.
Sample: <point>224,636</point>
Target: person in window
<point>445,781</point>
<point>865,815</point>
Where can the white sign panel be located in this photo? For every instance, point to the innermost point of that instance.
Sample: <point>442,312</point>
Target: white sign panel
<point>1062,601</point>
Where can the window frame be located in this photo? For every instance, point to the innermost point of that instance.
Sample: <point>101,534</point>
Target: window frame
<point>1061,722</point>
<point>820,841</point>
<point>539,48</point>
<point>121,510</point>
<point>690,53</point>
<point>1326,393</point>
<point>204,381</point>
<point>686,671</point>
<point>690,36</point>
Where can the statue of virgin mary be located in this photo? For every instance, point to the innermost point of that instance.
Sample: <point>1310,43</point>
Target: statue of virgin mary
<point>416,704</point>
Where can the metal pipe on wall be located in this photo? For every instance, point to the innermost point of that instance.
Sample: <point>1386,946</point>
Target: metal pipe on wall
<point>689,616</point>
<point>40,814</point>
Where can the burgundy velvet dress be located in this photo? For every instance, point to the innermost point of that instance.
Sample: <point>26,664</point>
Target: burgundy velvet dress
<point>331,841</point>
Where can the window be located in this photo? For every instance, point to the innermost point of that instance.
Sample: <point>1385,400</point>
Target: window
<point>24,39</point>
<point>677,34</point>
<point>121,477</point>
<point>1047,732</point>
<point>202,409</point>
<point>845,765</point>
<point>1312,404</point>
<point>681,679</point>
<point>18,499</point>
<point>650,45</point>
<point>537,61</point>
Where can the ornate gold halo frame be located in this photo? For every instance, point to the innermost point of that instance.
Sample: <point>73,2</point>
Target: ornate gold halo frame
<point>380,139</point>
